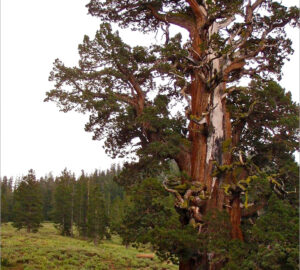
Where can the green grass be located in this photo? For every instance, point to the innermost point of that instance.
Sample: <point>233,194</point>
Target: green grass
<point>48,250</point>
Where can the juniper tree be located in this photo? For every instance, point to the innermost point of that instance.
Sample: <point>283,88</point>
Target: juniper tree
<point>28,204</point>
<point>217,141</point>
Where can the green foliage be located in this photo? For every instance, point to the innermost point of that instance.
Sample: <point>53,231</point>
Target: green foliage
<point>150,15</point>
<point>97,219</point>
<point>148,200</point>
<point>47,189</point>
<point>271,243</point>
<point>94,203</point>
<point>81,204</point>
<point>63,203</point>
<point>129,94</point>
<point>87,202</point>
<point>117,212</point>
<point>6,187</point>
<point>28,204</point>
<point>151,218</point>
<point>271,118</point>
<point>268,121</point>
<point>276,234</point>
<point>105,94</point>
<point>136,14</point>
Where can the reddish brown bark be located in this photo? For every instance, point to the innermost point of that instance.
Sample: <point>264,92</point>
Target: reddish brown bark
<point>197,162</point>
<point>235,219</point>
<point>189,265</point>
<point>199,105</point>
<point>198,133</point>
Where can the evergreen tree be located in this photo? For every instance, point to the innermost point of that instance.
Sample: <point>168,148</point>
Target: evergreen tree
<point>6,199</point>
<point>81,200</point>
<point>271,240</point>
<point>63,203</point>
<point>117,213</point>
<point>86,198</point>
<point>149,208</point>
<point>28,204</point>
<point>118,86</point>
<point>47,188</point>
<point>97,219</point>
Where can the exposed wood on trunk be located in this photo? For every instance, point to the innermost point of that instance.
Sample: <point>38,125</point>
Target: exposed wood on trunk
<point>216,135</point>
<point>227,156</point>
<point>208,136</point>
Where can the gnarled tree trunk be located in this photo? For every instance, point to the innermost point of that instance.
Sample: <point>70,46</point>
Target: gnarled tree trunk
<point>207,136</point>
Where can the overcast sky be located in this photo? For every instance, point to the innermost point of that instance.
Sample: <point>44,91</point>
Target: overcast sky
<point>35,134</point>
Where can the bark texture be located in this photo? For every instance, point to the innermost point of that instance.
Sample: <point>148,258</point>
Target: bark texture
<point>207,136</point>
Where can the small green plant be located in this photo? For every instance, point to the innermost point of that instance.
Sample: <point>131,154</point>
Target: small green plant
<point>5,262</point>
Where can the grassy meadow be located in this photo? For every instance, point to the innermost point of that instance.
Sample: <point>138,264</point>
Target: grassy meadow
<point>48,250</point>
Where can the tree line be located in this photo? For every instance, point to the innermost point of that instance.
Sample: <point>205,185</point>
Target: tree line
<point>97,206</point>
<point>85,203</point>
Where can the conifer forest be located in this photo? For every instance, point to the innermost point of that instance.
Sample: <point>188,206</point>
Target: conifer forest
<point>207,132</point>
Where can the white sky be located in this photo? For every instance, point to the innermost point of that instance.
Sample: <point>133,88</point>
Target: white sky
<point>35,134</point>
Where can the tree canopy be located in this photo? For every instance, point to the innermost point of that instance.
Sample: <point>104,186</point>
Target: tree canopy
<point>28,204</point>
<point>186,101</point>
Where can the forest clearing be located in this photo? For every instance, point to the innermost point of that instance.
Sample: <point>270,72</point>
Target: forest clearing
<point>48,250</point>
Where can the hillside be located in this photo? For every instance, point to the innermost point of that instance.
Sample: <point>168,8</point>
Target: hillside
<point>48,250</point>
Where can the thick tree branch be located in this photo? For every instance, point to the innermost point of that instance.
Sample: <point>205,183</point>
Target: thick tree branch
<point>140,95</point>
<point>256,4</point>
<point>226,22</point>
<point>198,10</point>
<point>175,192</point>
<point>167,18</point>
<point>136,86</point>
<point>125,98</point>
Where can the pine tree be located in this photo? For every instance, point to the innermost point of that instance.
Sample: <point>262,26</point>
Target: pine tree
<point>97,219</point>
<point>6,199</point>
<point>86,199</point>
<point>116,213</point>
<point>63,203</point>
<point>209,139</point>
<point>28,204</point>
<point>47,188</point>
<point>81,204</point>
